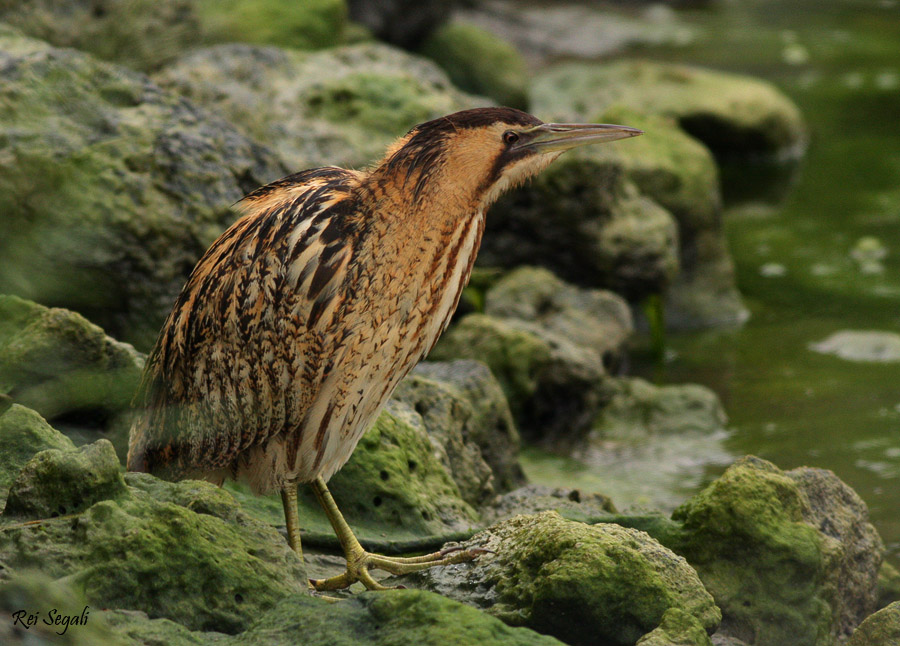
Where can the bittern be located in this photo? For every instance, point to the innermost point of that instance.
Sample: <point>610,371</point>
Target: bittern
<point>298,322</point>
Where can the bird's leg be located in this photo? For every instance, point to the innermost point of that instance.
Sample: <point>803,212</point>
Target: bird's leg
<point>359,561</point>
<point>292,520</point>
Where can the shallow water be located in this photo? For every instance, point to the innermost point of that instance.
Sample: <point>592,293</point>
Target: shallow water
<point>794,251</point>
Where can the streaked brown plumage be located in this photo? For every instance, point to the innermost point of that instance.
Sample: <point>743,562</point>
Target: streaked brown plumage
<point>299,321</point>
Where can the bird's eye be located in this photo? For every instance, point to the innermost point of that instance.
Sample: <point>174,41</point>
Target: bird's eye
<point>510,137</point>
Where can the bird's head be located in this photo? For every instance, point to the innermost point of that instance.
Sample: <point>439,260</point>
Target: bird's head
<point>476,155</point>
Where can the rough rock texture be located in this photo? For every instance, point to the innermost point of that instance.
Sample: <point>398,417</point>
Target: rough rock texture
<point>58,482</point>
<point>311,24</point>
<point>583,219</point>
<point>879,629</point>
<point>466,413</point>
<point>61,365</point>
<point>572,504</point>
<point>185,551</point>
<point>585,584</point>
<point>480,62</point>
<point>777,553</point>
<point>679,173</point>
<point>402,22</point>
<point>23,432</point>
<point>729,113</point>
<point>110,197</point>
<point>340,107</point>
<point>678,628</point>
<point>143,34</point>
<point>549,344</point>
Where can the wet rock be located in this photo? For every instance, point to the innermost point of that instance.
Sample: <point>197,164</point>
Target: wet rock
<point>311,24</point>
<point>51,601</point>
<point>549,344</point>
<point>572,504</point>
<point>63,366</point>
<point>185,551</point>
<point>585,584</point>
<point>110,197</point>
<point>59,482</point>
<point>143,34</point>
<point>23,433</point>
<point>465,412</point>
<point>678,628</point>
<point>880,629</point>
<point>731,114</point>
<point>402,22</point>
<point>338,107</point>
<point>679,173</point>
<point>888,585</point>
<point>584,220</point>
<point>775,550</point>
<point>861,345</point>
<point>480,62</point>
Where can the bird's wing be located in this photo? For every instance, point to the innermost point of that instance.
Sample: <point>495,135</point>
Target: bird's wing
<point>245,348</point>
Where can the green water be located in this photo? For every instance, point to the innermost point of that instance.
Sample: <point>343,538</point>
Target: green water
<point>840,62</point>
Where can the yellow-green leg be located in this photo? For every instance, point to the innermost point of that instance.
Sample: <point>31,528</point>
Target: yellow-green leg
<point>292,520</point>
<point>359,561</point>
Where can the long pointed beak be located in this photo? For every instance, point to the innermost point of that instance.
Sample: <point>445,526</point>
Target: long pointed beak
<point>550,137</point>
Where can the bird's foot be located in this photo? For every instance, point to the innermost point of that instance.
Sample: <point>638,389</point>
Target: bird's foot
<point>359,562</point>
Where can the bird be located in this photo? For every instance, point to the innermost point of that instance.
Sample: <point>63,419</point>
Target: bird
<point>298,322</point>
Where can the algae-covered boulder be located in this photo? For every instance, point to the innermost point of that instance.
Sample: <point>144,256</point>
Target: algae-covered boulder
<point>311,24</point>
<point>23,432</point>
<point>584,220</point>
<point>879,629</point>
<point>58,363</point>
<point>790,557</point>
<point>480,62</point>
<point>572,504</point>
<point>679,173</point>
<point>57,482</point>
<point>110,197</point>
<point>729,113</point>
<point>888,585</point>
<point>466,415</point>
<point>402,22</point>
<point>143,34</point>
<point>678,628</point>
<point>185,551</point>
<point>550,345</point>
<point>585,584</point>
<point>338,107</point>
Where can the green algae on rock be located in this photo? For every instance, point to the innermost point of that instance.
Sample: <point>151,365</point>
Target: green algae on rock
<point>677,628</point>
<point>790,557</point>
<point>880,629</point>
<point>143,34</point>
<point>23,433</point>
<point>342,106</point>
<point>60,364</point>
<point>185,551</point>
<point>888,585</point>
<point>110,196</point>
<point>311,24</point>
<point>731,114</point>
<point>585,584</point>
<point>480,62</point>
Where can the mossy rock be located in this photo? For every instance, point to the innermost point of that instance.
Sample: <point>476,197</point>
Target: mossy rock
<point>63,366</point>
<point>585,584</point>
<point>311,24</point>
<point>110,196</point>
<point>790,557</point>
<point>888,585</point>
<point>23,433</point>
<point>583,219</point>
<point>142,34</point>
<point>879,629</point>
<point>731,114</point>
<point>342,106</point>
<point>677,628</point>
<point>480,62</point>
<point>185,551</point>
